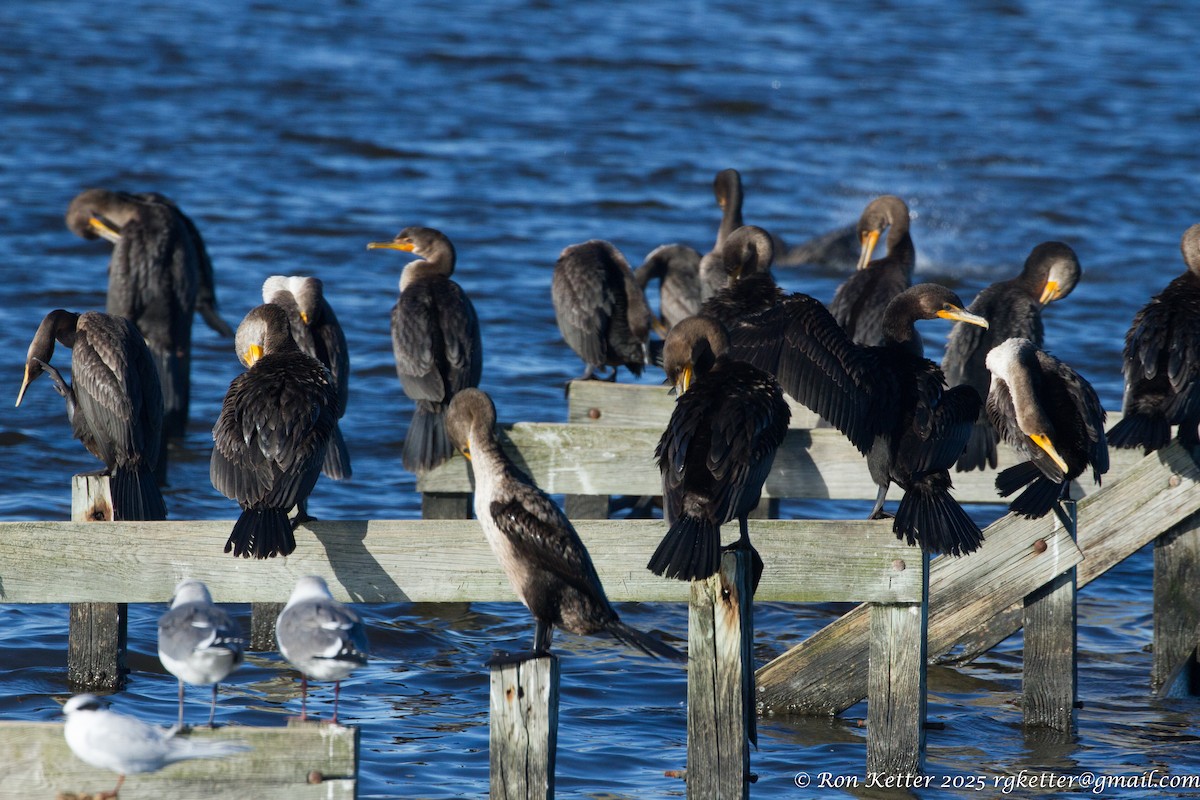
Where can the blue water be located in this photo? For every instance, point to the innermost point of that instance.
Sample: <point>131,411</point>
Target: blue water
<point>296,132</point>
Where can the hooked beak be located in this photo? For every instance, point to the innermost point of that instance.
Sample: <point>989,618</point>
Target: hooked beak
<point>29,376</point>
<point>104,228</point>
<point>961,315</point>
<point>304,317</point>
<point>869,240</point>
<point>253,353</point>
<point>684,381</point>
<point>407,247</point>
<point>1050,292</point>
<point>1043,441</point>
<point>466,451</point>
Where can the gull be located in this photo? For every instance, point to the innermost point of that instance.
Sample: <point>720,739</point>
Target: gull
<point>321,637</point>
<point>198,642</point>
<point>128,746</point>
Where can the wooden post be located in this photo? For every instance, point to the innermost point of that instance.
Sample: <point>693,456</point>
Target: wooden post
<point>524,729</point>
<point>1176,609</point>
<point>896,682</point>
<point>97,632</point>
<point>721,709</point>
<point>1049,683</point>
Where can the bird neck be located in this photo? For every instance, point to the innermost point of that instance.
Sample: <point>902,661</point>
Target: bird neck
<point>421,270</point>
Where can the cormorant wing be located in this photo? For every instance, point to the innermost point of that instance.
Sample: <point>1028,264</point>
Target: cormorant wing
<point>1003,415</point>
<point>108,391</point>
<point>329,341</point>
<point>1168,327</point>
<point>952,416</point>
<point>1078,392</point>
<point>417,341</point>
<point>585,304</point>
<point>462,338</point>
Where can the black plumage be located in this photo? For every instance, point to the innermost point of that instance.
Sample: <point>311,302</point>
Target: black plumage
<point>317,332</point>
<point>600,309</point>
<point>270,439</point>
<point>545,561</point>
<point>435,339</point>
<point>676,268</point>
<point>717,449</point>
<point>860,302</point>
<point>727,189</point>
<point>1162,363</point>
<point>1013,309</point>
<point>1051,416</point>
<point>114,402</point>
<point>746,255</point>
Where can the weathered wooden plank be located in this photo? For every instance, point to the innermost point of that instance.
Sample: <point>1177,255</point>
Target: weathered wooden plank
<point>1174,670</point>
<point>523,733</point>
<point>827,673</point>
<point>632,405</point>
<point>389,561</point>
<point>310,761</point>
<point>1049,681</point>
<point>97,632</point>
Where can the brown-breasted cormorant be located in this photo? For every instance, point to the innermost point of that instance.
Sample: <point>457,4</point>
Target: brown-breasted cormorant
<point>1051,416</point>
<point>158,276</point>
<point>859,304</point>
<point>676,267</point>
<point>1013,309</point>
<point>727,188</point>
<point>269,441</point>
<point>198,643</point>
<point>716,451</point>
<point>114,402</point>
<point>435,339</point>
<point>317,332</point>
<point>600,309</point>
<point>545,561</point>
<point>1162,362</point>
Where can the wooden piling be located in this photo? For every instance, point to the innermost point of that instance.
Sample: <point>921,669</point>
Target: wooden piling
<point>721,710</point>
<point>1050,679</point>
<point>1174,670</point>
<point>98,632</point>
<point>524,729</point>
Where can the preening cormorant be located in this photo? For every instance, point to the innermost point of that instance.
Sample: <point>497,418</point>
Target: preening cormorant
<point>1051,416</point>
<point>114,402</point>
<point>749,287</point>
<point>727,188</point>
<point>538,548</point>
<point>158,276</point>
<point>717,449</point>
<point>600,309</point>
<point>270,439</point>
<point>889,400</point>
<point>1013,309</point>
<point>317,332</point>
<point>676,267</point>
<point>1162,362</point>
<point>198,643</point>
<point>859,304</point>
<point>435,339</point>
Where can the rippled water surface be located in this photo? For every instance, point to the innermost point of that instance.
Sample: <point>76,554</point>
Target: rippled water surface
<point>296,132</point>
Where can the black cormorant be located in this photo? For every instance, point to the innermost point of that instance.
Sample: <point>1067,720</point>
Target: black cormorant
<point>270,439</point>
<point>676,267</point>
<point>749,285</point>
<point>727,188</point>
<point>546,563</point>
<point>716,451</point>
<point>1162,363</point>
<point>858,304</point>
<point>435,339</point>
<point>316,330</point>
<point>114,402</point>
<point>1013,309</point>
<point>600,309</point>
<point>1051,416</point>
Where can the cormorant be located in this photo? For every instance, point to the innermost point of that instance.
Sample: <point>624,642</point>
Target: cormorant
<point>859,303</point>
<point>727,188</point>
<point>321,637</point>
<point>1162,362</point>
<point>198,642</point>
<point>158,276</point>
<point>749,286</point>
<point>317,332</point>
<point>889,400</point>
<point>1051,416</point>
<point>436,341</point>
<point>600,309</point>
<point>676,267</point>
<point>114,402</point>
<point>1013,309</point>
<point>716,451</point>
<point>271,436</point>
<point>546,563</point>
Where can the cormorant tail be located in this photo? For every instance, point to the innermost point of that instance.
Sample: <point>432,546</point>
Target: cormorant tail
<point>1150,431</point>
<point>427,444</point>
<point>654,352</point>
<point>691,550</point>
<point>135,494</point>
<point>337,457</point>
<point>650,645</point>
<point>928,515</point>
<point>1038,499</point>
<point>173,374</point>
<point>262,533</point>
<point>980,452</point>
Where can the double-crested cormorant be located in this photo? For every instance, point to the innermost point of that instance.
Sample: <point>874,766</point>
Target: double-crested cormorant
<point>1162,362</point>
<point>158,276</point>
<point>1051,416</point>
<point>600,309</point>
<point>889,400</point>
<point>727,188</point>
<point>749,285</point>
<point>114,402</point>
<point>319,636</point>
<point>1013,309</point>
<point>717,450</point>
<point>546,563</point>
<point>676,267</point>
<point>436,341</point>
<point>859,303</point>
<point>198,642</point>
<point>317,332</point>
<point>270,439</point>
